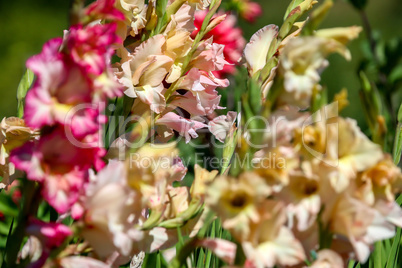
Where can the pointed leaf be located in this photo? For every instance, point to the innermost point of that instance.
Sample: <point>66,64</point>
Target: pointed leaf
<point>23,87</point>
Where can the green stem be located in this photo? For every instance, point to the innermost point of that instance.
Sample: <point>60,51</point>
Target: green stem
<point>184,253</point>
<point>31,193</point>
<point>381,76</point>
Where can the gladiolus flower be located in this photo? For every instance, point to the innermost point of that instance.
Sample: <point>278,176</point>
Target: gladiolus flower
<point>185,127</point>
<point>90,47</point>
<point>303,198</point>
<point>222,125</point>
<point>227,34</point>
<point>113,213</point>
<point>256,51</point>
<point>59,164</point>
<point>50,234</point>
<point>236,201</point>
<point>60,86</point>
<point>134,14</point>
<point>13,134</point>
<point>270,242</point>
<point>104,9</point>
<point>301,63</point>
<point>328,259</point>
<point>249,10</point>
<point>361,224</point>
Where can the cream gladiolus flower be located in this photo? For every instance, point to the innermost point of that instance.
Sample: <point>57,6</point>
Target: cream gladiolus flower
<point>202,178</point>
<point>135,13</point>
<point>236,200</point>
<point>200,4</point>
<point>341,34</point>
<point>301,62</point>
<point>178,201</point>
<point>113,217</point>
<point>112,210</point>
<point>327,258</point>
<point>270,243</point>
<point>356,153</point>
<point>144,70</point>
<point>340,145</point>
<point>151,169</point>
<point>378,182</point>
<point>13,134</point>
<point>360,224</point>
<point>274,165</point>
<point>302,196</point>
<point>256,51</point>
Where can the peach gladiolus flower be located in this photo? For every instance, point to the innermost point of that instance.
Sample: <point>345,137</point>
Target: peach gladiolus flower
<point>328,259</point>
<point>270,243</point>
<point>13,134</point>
<point>226,34</point>
<point>236,200</point>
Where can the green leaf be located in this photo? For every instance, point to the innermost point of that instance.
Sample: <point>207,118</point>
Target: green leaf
<point>397,151</point>
<point>255,99</point>
<point>317,16</point>
<point>200,259</point>
<point>23,87</point>
<point>376,256</point>
<point>160,7</point>
<point>7,242</point>
<point>228,150</point>
<point>158,260</point>
<point>160,12</point>
<point>7,206</point>
<point>393,253</point>
<point>396,74</point>
<point>351,264</point>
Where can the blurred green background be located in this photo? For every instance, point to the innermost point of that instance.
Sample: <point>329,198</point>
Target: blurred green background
<point>26,24</point>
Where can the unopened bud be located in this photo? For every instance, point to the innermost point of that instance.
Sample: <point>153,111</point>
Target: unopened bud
<point>215,22</point>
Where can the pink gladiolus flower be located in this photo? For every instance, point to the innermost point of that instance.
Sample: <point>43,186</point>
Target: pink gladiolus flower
<point>61,166</point>
<point>249,10</point>
<point>186,127</point>
<point>222,125</point>
<point>50,234</point>
<point>198,104</point>
<point>211,58</point>
<point>225,34</point>
<point>90,47</point>
<point>60,86</point>
<point>202,98</point>
<point>105,10</point>
<point>82,261</point>
<point>106,85</point>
